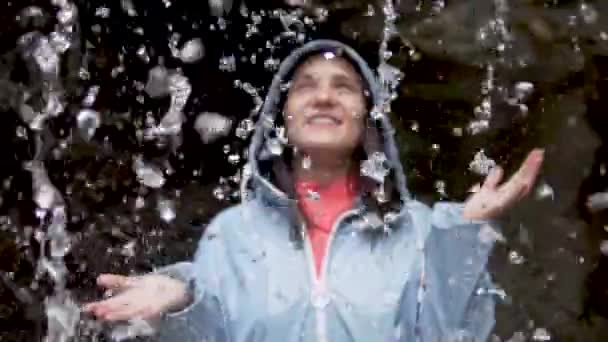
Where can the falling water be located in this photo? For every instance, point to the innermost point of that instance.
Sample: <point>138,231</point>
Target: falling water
<point>389,77</point>
<point>43,54</point>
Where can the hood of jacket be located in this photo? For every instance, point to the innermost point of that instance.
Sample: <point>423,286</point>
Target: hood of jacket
<point>381,156</point>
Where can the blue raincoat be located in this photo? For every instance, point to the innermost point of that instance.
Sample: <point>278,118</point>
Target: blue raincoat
<point>422,279</point>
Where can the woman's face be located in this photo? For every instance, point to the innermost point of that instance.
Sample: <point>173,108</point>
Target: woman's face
<point>325,107</point>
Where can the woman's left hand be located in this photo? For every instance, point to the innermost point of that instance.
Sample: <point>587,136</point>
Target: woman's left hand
<point>492,199</point>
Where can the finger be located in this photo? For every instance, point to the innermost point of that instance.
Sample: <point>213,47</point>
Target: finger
<point>113,281</point>
<point>493,178</point>
<point>123,314</point>
<point>530,168</point>
<point>113,304</point>
<point>520,184</point>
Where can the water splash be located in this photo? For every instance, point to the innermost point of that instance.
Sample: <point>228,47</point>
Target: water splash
<point>220,7</point>
<point>88,121</point>
<point>376,166</point>
<point>43,55</point>
<point>192,51</point>
<point>541,334</point>
<point>212,126</point>
<point>481,164</point>
<point>496,37</point>
<point>389,76</point>
<point>170,126</point>
<point>148,174</point>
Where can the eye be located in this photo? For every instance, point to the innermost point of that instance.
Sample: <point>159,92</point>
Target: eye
<point>306,84</point>
<point>346,86</point>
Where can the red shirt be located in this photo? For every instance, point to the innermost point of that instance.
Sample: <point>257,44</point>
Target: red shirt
<point>321,206</point>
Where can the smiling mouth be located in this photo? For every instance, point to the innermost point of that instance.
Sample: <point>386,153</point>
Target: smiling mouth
<point>323,119</point>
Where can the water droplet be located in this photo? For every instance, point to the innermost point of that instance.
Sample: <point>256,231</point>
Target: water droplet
<point>545,191</point>
<point>478,126</point>
<point>67,14</point>
<point>140,202</point>
<point>234,159</point>
<point>128,249</point>
<point>244,128</point>
<point>440,187</point>
<point>272,64</point>
<point>59,41</point>
<point>291,23</point>
<point>32,11</point>
<point>102,12</point>
<point>228,63</point>
<point>88,121</point>
<point>63,316</point>
<point>21,132</point>
<point>589,13</point>
<point>158,82</point>
<point>60,240</point>
<point>306,163</point>
<point>45,194</point>
<point>380,194</point>
<point>481,164</point>
<point>212,126</point>
<point>541,334</point>
<point>515,258</point>
<point>166,209</point>
<point>390,77</point>
<point>127,6</point>
<point>192,51</point>
<point>275,146</point>
<point>376,167</point>
<point>91,96</point>
<point>220,7</point>
<point>148,175</point>
<point>132,329</point>
<point>523,90</point>
<point>219,193</point>
<point>285,86</point>
<point>142,53</point>
<point>604,247</point>
<point>597,201</point>
<point>313,195</point>
<point>329,55</point>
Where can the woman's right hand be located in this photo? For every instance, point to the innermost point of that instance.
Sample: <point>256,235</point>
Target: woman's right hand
<point>143,297</point>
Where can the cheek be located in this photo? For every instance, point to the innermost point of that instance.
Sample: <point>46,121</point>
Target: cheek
<point>357,115</point>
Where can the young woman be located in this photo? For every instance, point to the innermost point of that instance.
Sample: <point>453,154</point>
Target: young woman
<point>329,246</point>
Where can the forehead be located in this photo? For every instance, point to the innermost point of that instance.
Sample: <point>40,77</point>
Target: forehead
<point>320,64</point>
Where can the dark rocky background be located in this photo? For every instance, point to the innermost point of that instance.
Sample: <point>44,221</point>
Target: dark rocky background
<point>550,266</point>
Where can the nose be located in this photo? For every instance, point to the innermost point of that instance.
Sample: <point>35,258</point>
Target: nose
<point>325,95</point>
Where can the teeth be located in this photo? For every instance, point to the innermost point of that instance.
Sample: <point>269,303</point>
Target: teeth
<point>323,120</point>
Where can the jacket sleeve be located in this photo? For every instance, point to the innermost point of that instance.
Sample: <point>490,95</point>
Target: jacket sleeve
<point>204,319</point>
<point>456,304</point>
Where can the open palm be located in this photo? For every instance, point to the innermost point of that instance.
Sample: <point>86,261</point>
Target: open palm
<point>143,297</point>
<point>492,198</point>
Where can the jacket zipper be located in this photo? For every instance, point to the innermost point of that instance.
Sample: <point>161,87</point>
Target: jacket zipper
<point>319,292</point>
